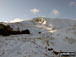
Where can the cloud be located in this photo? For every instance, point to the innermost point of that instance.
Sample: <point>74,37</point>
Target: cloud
<point>35,10</point>
<point>72,3</point>
<point>17,20</point>
<point>55,12</point>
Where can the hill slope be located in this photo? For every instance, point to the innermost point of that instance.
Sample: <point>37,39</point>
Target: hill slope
<point>46,38</point>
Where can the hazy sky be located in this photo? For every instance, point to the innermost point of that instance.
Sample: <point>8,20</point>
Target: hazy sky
<point>11,10</point>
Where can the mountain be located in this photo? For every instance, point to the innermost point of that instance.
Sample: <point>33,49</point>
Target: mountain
<point>37,37</point>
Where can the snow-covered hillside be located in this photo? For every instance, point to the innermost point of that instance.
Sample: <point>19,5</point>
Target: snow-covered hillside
<point>46,38</point>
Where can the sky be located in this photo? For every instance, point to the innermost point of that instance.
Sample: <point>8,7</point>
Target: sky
<point>19,10</point>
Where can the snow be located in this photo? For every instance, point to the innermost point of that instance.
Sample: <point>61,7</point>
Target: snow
<point>58,34</point>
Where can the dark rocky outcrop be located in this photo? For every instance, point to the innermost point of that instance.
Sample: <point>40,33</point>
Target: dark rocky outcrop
<point>50,49</point>
<point>25,31</point>
<point>6,30</point>
<point>55,52</point>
